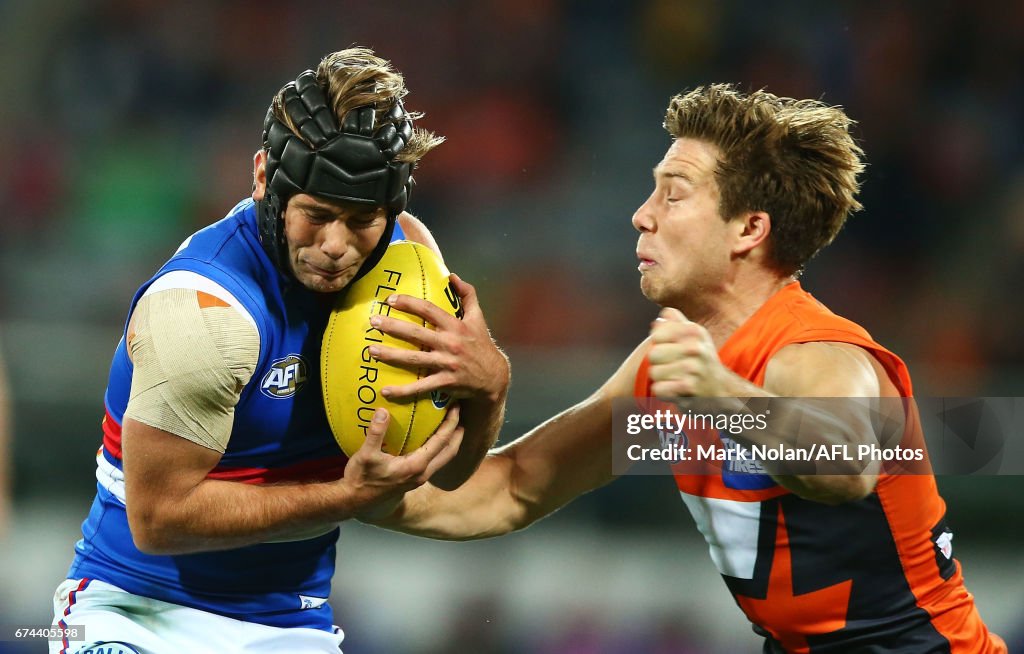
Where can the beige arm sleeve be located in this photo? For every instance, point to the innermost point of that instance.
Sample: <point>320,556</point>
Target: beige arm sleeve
<point>192,355</point>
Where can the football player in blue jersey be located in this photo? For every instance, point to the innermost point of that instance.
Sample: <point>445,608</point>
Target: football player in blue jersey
<point>220,483</point>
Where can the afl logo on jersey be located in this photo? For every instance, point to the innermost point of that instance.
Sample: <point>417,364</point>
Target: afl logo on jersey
<point>285,378</point>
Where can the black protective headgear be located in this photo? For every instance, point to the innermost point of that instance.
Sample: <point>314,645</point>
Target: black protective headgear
<point>354,163</point>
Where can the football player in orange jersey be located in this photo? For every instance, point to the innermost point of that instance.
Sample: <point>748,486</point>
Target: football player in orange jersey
<point>751,187</point>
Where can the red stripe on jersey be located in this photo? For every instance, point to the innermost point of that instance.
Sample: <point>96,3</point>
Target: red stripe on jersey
<point>323,469</point>
<point>112,435</point>
<point>326,469</point>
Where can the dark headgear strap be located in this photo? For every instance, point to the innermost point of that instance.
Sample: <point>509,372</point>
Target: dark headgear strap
<point>353,163</point>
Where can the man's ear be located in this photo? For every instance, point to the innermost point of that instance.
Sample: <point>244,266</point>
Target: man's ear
<point>752,230</point>
<point>259,175</point>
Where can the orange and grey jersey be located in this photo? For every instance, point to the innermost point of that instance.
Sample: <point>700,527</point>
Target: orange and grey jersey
<point>872,576</point>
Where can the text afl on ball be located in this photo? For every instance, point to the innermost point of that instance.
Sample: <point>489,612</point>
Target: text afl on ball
<point>352,380</point>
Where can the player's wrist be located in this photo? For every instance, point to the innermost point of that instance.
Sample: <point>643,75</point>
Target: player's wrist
<point>497,391</point>
<point>382,511</point>
<point>356,497</point>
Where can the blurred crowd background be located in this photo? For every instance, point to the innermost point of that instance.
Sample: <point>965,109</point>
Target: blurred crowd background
<point>128,124</point>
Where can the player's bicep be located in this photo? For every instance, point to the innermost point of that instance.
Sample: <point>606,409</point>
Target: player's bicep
<point>192,355</point>
<point>160,466</point>
<point>823,369</point>
<point>161,471</point>
<point>842,386</point>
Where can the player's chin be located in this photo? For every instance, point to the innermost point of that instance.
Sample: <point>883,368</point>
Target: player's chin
<point>657,293</point>
<point>320,280</point>
<point>649,288</point>
<point>325,284</point>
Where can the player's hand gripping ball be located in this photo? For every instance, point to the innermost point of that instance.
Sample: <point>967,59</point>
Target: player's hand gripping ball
<point>352,379</point>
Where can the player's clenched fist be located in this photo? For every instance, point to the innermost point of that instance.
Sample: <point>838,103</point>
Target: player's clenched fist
<point>684,360</point>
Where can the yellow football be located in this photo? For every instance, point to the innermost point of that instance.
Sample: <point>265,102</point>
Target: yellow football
<point>352,380</point>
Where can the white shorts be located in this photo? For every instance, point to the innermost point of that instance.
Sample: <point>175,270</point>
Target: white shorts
<point>118,622</point>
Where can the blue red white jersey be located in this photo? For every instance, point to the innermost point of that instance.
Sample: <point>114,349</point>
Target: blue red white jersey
<point>280,433</point>
<point>873,576</point>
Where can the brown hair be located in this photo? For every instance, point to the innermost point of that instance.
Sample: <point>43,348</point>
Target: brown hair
<point>793,159</point>
<point>356,77</point>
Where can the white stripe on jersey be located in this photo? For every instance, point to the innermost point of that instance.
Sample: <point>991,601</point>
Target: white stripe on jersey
<point>730,529</point>
<point>109,477</point>
<point>189,279</point>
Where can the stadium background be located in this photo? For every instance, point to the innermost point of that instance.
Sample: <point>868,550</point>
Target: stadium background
<point>127,124</point>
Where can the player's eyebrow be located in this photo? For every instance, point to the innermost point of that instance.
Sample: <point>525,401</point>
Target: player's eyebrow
<point>659,171</point>
<point>318,208</point>
<point>312,204</point>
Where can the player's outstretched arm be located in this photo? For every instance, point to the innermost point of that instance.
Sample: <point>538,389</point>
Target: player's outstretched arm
<point>174,509</point>
<point>520,483</point>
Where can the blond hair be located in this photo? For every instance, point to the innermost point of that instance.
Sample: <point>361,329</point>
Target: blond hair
<point>793,159</point>
<point>354,78</point>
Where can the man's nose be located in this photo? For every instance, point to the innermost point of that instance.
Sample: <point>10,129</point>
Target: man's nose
<point>643,219</point>
<point>336,239</point>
